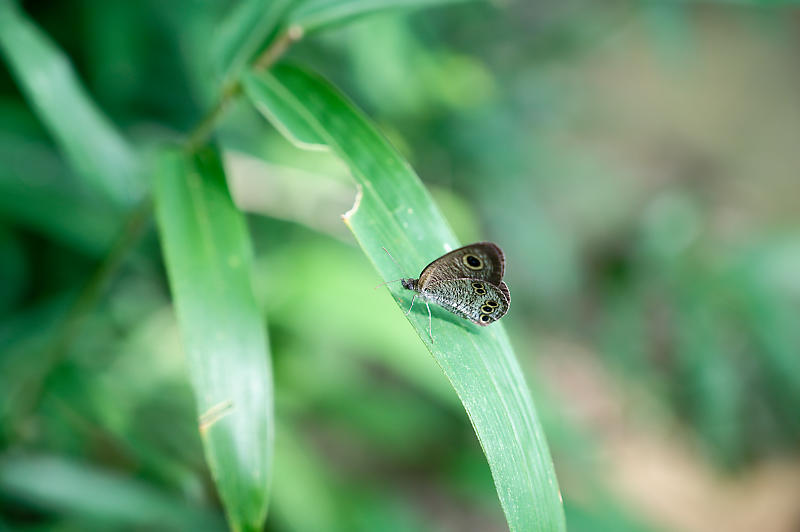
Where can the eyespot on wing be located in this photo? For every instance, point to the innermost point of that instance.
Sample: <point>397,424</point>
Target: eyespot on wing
<point>460,297</point>
<point>481,260</point>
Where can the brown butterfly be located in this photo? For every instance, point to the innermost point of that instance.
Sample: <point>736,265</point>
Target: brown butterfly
<point>467,281</point>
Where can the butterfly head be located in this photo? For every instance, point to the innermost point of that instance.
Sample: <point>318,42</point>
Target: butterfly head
<point>409,284</point>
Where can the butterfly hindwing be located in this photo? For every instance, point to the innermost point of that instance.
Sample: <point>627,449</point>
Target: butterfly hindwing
<point>479,301</point>
<point>482,261</point>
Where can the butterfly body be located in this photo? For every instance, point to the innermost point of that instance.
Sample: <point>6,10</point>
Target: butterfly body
<point>467,282</point>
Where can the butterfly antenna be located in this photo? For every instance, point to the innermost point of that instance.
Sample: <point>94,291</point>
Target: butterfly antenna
<point>387,282</point>
<point>396,263</point>
<point>412,304</point>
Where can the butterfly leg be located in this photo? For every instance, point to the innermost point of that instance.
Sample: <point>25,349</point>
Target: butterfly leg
<point>430,321</point>
<point>412,305</point>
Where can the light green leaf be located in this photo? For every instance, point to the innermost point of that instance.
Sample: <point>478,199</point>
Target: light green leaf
<point>394,210</point>
<point>313,15</point>
<point>94,148</point>
<point>291,126</point>
<point>55,483</point>
<point>208,256</point>
<point>244,32</point>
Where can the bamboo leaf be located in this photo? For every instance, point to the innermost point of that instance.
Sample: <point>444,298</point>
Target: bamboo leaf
<point>55,483</point>
<point>93,146</point>
<point>244,32</point>
<point>313,15</point>
<point>394,210</point>
<point>208,258</point>
<point>293,127</point>
<point>253,24</point>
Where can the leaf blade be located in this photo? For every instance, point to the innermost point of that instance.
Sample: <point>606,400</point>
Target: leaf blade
<point>37,191</point>
<point>69,487</point>
<point>208,259</point>
<point>98,153</point>
<point>394,210</point>
<point>243,32</point>
<point>314,15</point>
<point>291,126</point>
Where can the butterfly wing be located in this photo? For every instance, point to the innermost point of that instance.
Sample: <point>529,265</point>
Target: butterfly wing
<point>480,302</point>
<point>482,260</point>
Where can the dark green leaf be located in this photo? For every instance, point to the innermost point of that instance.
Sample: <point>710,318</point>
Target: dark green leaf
<point>90,142</point>
<point>54,483</point>
<point>37,192</point>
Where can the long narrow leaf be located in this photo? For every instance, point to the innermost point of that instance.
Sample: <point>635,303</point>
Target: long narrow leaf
<point>90,142</point>
<point>208,257</point>
<point>313,15</point>
<point>55,483</point>
<point>244,32</point>
<point>394,210</point>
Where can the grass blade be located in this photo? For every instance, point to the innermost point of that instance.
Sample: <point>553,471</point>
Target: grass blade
<point>208,258</point>
<point>394,210</point>
<point>110,498</point>
<point>97,151</point>
<point>313,15</point>
<point>244,32</point>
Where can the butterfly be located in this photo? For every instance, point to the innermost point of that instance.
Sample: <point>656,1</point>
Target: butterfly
<point>467,281</point>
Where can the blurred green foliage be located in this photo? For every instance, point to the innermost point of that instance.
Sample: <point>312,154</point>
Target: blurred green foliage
<point>636,161</point>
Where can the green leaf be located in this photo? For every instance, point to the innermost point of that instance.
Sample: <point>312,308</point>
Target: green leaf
<point>394,210</point>
<point>313,15</point>
<point>59,213</point>
<point>90,142</point>
<point>55,483</point>
<point>244,32</point>
<point>286,120</point>
<point>208,257</point>
<point>37,192</point>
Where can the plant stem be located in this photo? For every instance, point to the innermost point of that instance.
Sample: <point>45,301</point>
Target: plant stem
<point>204,128</point>
<point>278,47</point>
<point>268,57</point>
<point>133,228</point>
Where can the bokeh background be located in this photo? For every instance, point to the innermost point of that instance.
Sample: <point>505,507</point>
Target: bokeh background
<point>637,161</point>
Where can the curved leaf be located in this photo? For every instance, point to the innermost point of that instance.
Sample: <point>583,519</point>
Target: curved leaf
<point>394,210</point>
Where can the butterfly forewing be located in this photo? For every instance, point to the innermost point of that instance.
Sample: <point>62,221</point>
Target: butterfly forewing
<point>479,301</point>
<point>482,261</point>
